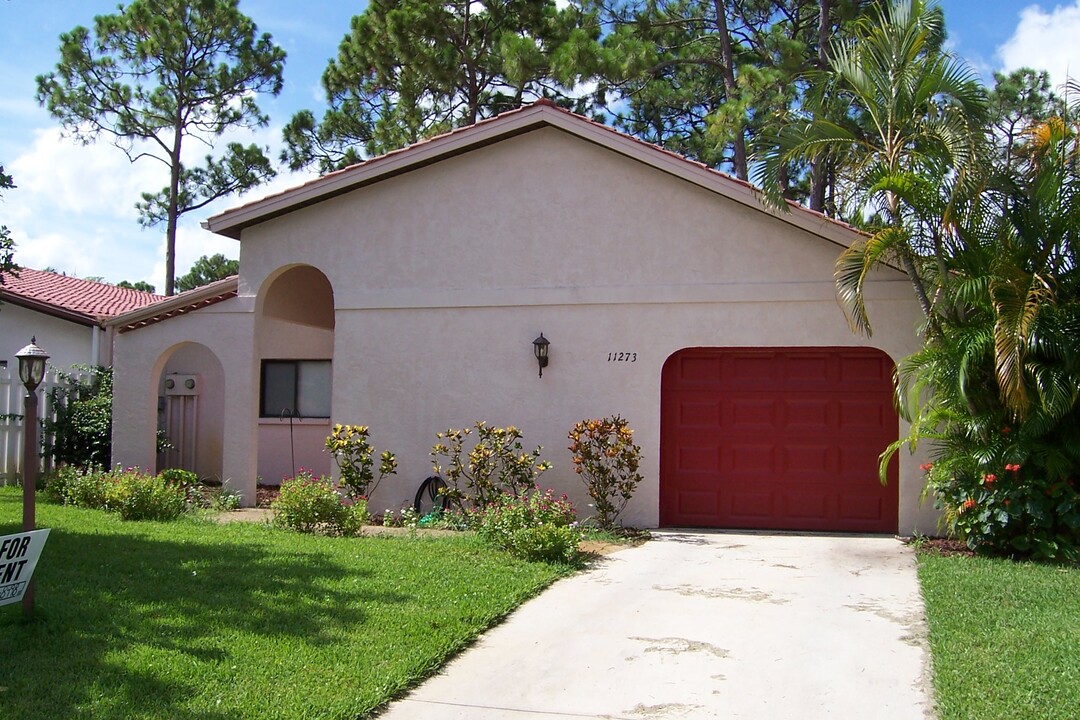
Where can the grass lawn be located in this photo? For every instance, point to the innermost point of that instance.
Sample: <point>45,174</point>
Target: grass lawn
<point>1004,636</point>
<point>197,620</point>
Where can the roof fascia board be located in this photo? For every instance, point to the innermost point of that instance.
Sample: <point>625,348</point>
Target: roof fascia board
<point>175,302</point>
<point>232,222</point>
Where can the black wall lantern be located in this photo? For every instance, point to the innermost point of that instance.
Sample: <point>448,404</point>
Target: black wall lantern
<point>540,348</point>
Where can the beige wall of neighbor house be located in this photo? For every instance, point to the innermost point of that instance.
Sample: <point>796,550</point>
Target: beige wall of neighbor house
<point>441,278</point>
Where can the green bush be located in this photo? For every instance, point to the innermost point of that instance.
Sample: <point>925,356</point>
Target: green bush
<point>89,490</point>
<point>537,526</point>
<point>143,497</point>
<point>128,492</point>
<point>82,431</point>
<point>1019,510</point>
<point>56,486</point>
<point>308,504</point>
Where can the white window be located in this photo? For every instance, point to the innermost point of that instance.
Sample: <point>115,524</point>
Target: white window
<point>295,387</point>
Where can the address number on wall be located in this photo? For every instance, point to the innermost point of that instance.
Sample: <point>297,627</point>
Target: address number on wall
<point>622,357</point>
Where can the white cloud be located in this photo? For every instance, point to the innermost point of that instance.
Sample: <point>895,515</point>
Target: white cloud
<point>1045,40</point>
<point>58,175</point>
<point>74,208</point>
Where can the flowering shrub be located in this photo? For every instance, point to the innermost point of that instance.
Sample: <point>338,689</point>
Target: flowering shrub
<point>351,449</point>
<point>306,503</point>
<point>136,496</point>
<point>534,526</point>
<point>129,492</point>
<point>607,459</point>
<point>496,464</point>
<point>1008,508</point>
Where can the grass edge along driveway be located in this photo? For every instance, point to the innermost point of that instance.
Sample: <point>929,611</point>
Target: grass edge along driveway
<point>192,619</point>
<point>1004,637</point>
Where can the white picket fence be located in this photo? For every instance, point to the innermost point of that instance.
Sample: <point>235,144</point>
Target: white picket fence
<point>12,394</point>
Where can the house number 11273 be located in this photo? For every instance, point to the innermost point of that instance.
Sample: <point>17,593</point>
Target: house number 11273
<point>622,357</point>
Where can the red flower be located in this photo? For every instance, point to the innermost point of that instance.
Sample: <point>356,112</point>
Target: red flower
<point>925,467</point>
<point>1006,430</point>
<point>968,504</point>
<point>1012,468</point>
<point>989,478</point>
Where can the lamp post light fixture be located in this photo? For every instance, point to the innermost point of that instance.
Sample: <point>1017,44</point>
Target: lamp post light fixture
<point>540,348</point>
<point>31,371</point>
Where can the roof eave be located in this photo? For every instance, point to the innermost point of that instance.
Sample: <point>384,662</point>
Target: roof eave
<point>231,223</point>
<point>177,304</point>
<point>46,308</point>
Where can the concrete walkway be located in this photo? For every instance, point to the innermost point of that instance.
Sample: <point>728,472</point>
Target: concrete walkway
<point>704,625</point>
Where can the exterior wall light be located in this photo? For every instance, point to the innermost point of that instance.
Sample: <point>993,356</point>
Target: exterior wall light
<point>540,348</point>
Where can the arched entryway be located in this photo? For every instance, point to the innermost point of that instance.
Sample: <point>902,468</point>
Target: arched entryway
<point>295,341</point>
<point>778,439</point>
<point>191,410</point>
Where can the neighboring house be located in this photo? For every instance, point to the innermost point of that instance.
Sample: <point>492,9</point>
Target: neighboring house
<point>67,317</point>
<point>66,314</point>
<point>404,293</point>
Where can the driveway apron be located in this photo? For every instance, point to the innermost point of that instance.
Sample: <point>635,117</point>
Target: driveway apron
<point>705,625</point>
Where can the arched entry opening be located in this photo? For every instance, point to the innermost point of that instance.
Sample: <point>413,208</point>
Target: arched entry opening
<point>778,439</point>
<point>295,341</point>
<point>191,410</point>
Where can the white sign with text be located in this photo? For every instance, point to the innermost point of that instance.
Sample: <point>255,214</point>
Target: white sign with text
<point>19,554</point>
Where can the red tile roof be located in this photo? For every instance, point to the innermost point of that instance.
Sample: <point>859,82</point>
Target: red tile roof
<point>72,298</point>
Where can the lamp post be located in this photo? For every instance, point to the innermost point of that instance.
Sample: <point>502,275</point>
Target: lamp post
<point>31,372</point>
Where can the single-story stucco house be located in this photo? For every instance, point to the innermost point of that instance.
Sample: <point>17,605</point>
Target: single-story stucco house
<point>66,314</point>
<point>405,293</point>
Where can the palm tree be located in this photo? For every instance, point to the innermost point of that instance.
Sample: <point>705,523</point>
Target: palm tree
<point>909,127</point>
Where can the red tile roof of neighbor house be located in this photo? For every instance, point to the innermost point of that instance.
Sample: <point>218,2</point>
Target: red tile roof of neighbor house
<point>82,301</point>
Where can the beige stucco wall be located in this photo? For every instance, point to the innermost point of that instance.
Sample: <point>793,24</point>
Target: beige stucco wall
<point>142,356</point>
<point>68,343</point>
<point>442,278</point>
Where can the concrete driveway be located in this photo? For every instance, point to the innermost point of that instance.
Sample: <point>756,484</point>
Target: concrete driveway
<point>705,625</point>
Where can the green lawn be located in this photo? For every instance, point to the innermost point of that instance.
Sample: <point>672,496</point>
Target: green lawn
<point>1004,636</point>
<point>197,620</point>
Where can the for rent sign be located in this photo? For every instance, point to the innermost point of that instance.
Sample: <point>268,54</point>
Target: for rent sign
<point>18,557</point>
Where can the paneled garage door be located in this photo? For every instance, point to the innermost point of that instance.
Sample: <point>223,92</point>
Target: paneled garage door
<point>777,438</point>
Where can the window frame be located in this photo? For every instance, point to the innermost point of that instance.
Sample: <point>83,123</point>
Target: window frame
<point>296,363</point>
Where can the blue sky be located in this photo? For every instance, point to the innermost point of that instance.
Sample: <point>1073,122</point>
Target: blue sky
<point>73,208</point>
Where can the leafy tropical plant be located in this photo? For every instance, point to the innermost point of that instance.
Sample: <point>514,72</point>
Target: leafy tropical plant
<point>998,388</point>
<point>605,455</point>
<point>900,122</point>
<point>351,448</point>
<point>496,464</point>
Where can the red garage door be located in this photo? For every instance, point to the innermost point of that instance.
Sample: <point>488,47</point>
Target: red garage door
<point>777,438</point>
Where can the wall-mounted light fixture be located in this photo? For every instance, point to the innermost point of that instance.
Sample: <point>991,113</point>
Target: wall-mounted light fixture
<point>540,348</point>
